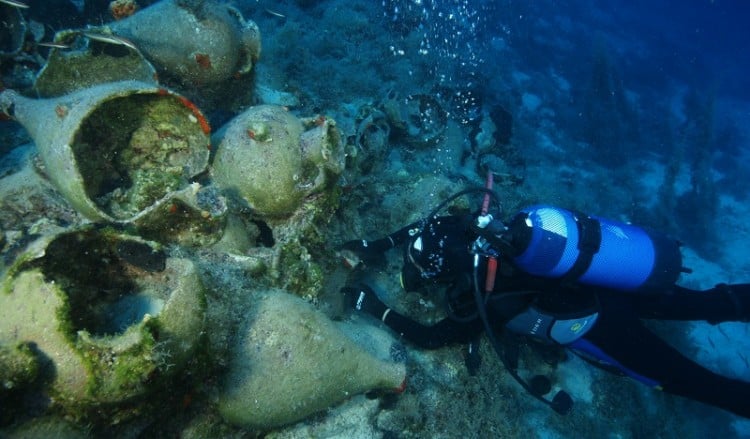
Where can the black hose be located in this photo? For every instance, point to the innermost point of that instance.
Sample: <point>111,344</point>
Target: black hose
<point>440,206</point>
<point>561,403</point>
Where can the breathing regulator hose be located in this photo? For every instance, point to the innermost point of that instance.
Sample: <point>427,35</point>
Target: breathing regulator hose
<point>490,239</point>
<point>561,402</point>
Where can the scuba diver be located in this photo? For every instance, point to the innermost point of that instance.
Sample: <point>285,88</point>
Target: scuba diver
<point>563,278</point>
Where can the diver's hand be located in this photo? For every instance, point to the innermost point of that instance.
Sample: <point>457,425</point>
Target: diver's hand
<point>362,251</point>
<point>363,298</point>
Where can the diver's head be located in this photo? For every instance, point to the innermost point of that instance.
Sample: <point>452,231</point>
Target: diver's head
<point>437,253</point>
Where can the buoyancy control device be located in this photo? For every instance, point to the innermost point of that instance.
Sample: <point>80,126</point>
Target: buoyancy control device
<point>557,243</point>
<point>552,242</point>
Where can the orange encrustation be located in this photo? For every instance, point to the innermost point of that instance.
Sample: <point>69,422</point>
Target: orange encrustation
<point>190,106</point>
<point>197,113</point>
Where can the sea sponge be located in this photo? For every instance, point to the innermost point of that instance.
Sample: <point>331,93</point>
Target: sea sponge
<point>122,8</point>
<point>290,361</point>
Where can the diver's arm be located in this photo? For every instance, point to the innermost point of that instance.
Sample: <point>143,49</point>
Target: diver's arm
<point>371,253</point>
<point>362,246</point>
<point>445,332</point>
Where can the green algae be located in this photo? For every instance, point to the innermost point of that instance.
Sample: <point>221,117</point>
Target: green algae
<point>68,301</point>
<point>133,151</point>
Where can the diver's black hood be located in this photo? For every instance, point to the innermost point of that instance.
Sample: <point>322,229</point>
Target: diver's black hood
<point>438,251</point>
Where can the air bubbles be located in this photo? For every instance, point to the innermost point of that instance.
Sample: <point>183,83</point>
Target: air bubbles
<point>449,41</point>
<point>395,51</point>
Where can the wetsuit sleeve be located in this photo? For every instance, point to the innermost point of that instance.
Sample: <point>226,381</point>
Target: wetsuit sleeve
<point>371,252</point>
<point>443,333</point>
<point>379,245</point>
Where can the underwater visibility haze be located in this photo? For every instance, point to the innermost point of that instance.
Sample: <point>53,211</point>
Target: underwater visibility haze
<point>192,193</point>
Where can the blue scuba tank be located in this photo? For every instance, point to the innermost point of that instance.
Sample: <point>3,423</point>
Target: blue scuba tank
<point>558,243</point>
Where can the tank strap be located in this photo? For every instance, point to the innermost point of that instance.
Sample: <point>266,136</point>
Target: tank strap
<point>589,243</point>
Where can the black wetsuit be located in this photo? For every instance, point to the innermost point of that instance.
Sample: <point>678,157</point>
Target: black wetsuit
<point>618,339</point>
